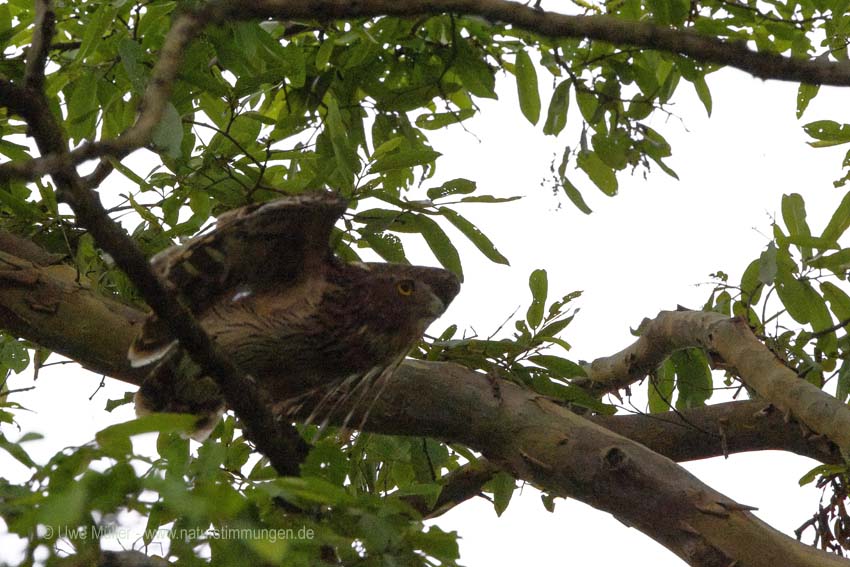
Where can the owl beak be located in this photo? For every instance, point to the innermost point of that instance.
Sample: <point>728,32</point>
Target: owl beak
<point>441,296</point>
<point>436,306</point>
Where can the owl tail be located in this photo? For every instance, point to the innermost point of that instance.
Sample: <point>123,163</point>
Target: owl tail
<point>153,343</point>
<point>176,385</point>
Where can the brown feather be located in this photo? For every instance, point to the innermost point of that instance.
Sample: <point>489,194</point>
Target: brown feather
<point>265,286</point>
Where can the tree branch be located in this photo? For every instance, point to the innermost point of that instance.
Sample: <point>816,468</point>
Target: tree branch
<point>721,429</point>
<point>43,302</point>
<point>552,24</point>
<point>43,32</point>
<point>733,341</point>
<point>520,432</point>
<point>609,29</point>
<point>567,455</point>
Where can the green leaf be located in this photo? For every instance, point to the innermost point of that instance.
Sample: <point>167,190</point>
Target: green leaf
<point>538,282</point>
<point>703,92</point>
<point>111,404</point>
<point>751,284</point>
<point>323,55</point>
<point>805,93</point>
<point>388,246</point>
<point>839,221</point>
<point>794,215</point>
<point>440,245</point>
<point>693,378</point>
<point>387,146</point>
<point>13,195</point>
<point>828,132</point>
<point>574,195</point>
<point>344,155</point>
<point>837,263</point>
<point>83,108</point>
<point>806,241</point>
<point>14,151</point>
<point>403,159</point>
<point>473,70</point>
<point>838,300</point>
<point>478,238</point>
<point>842,390</point>
<point>129,174</point>
<point>552,329</point>
<point>556,117</point>
<point>457,186</point>
<point>803,303</point>
<point>502,484</point>
<point>768,264</point>
<point>437,120</point>
<point>14,355</point>
<point>132,55</point>
<point>95,29</point>
<point>167,136</point>
<point>661,388</point>
<point>588,104</point>
<point>548,501</point>
<point>489,199</point>
<point>143,212</point>
<point>527,89</point>
<point>669,12</point>
<point>17,452</point>
<point>560,367</point>
<point>115,439</point>
<point>63,509</point>
<point>825,470</point>
<point>601,175</point>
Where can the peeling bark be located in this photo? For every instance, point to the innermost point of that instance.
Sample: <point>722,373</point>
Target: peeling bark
<point>734,343</point>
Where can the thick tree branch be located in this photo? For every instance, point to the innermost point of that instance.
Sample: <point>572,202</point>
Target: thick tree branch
<point>44,302</point>
<point>697,433</point>
<point>567,455</point>
<point>520,432</point>
<point>551,24</point>
<point>733,341</point>
<point>721,429</point>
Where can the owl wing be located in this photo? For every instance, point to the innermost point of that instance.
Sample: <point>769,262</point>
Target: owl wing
<point>267,245</point>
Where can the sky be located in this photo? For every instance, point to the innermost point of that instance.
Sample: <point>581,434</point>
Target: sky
<point>647,249</point>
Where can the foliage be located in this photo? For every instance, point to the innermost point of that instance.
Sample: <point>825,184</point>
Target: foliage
<point>264,109</point>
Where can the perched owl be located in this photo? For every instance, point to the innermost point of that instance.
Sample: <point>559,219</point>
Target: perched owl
<point>265,285</point>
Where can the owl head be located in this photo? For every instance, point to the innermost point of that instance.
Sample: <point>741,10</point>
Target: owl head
<point>404,296</point>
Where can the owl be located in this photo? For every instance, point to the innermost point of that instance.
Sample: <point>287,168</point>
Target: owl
<point>266,287</point>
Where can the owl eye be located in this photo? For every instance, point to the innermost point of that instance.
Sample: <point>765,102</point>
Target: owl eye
<point>405,287</point>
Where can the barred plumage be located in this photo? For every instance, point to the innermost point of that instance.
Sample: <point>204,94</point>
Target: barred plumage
<point>266,287</point>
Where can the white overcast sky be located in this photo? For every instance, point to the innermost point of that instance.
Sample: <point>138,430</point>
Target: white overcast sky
<point>640,252</point>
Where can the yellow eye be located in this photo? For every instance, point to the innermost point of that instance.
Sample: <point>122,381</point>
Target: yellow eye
<point>405,287</point>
